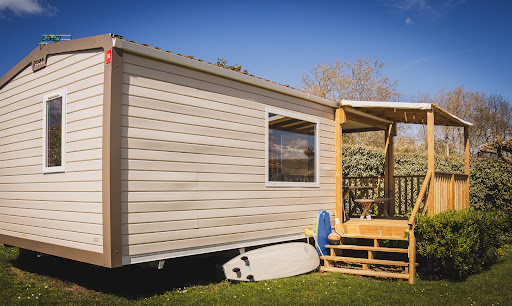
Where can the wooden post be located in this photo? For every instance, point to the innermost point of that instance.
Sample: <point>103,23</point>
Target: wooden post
<point>412,255</point>
<point>452,192</point>
<point>431,163</point>
<point>389,169</point>
<point>466,165</point>
<point>340,118</point>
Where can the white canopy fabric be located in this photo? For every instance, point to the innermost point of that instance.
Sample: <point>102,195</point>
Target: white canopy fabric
<point>406,112</point>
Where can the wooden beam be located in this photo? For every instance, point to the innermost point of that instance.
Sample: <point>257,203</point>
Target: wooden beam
<point>340,118</point>
<point>389,165</point>
<point>466,164</point>
<point>358,116</point>
<point>431,162</point>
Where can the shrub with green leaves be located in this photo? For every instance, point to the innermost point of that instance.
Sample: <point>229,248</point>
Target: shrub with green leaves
<point>491,186</point>
<point>461,243</point>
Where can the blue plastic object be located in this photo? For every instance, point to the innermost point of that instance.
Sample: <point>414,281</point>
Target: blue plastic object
<point>323,229</point>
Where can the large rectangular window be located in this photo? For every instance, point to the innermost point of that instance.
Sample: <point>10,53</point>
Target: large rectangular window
<point>54,132</point>
<point>292,149</point>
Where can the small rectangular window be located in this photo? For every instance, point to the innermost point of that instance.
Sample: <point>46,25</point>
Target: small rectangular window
<point>54,132</point>
<point>292,149</point>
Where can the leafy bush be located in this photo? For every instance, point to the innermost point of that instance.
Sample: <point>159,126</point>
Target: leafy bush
<point>491,186</point>
<point>460,243</point>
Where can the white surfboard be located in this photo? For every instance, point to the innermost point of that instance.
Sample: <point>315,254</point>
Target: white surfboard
<point>276,261</point>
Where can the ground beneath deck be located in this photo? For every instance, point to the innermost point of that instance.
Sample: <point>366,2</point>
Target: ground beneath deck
<point>376,227</point>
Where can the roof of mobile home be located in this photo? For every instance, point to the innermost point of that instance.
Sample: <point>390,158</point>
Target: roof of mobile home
<point>404,112</point>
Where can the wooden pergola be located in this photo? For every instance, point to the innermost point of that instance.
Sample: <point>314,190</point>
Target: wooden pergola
<point>362,116</point>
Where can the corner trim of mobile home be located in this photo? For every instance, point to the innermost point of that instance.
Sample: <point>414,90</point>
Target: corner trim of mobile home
<point>111,158</point>
<point>129,260</point>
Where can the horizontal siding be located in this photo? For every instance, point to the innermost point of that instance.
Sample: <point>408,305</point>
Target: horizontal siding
<point>59,208</point>
<point>193,161</point>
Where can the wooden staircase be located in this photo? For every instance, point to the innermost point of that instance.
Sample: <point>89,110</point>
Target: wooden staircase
<point>364,250</point>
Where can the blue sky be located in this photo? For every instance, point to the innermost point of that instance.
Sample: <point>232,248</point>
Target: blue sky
<point>426,45</point>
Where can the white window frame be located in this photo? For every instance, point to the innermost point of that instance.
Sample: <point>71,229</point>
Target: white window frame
<point>62,168</point>
<point>300,116</point>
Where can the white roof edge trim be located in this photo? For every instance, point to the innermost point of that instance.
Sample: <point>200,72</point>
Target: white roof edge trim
<point>197,65</point>
<point>401,105</point>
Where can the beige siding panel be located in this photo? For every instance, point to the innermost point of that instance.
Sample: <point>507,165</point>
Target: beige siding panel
<point>55,196</point>
<point>164,95</point>
<point>85,98</point>
<point>86,228</point>
<point>23,126</point>
<point>154,125</point>
<point>137,207</point>
<point>81,207</point>
<point>87,165</point>
<point>160,145</point>
<point>49,232</point>
<point>140,228</point>
<point>265,210</point>
<point>214,240</point>
<point>177,136</point>
<point>150,165</point>
<point>72,70</point>
<point>218,195</point>
<point>166,116</point>
<point>216,231</point>
<point>52,187</point>
<point>307,218</point>
<point>56,241</point>
<point>53,215</point>
<point>190,157</point>
<point>138,105</point>
<point>203,186</point>
<point>89,176</point>
<point>59,208</point>
<point>83,145</point>
<point>155,217</point>
<point>165,176</point>
<point>85,78</point>
<point>30,152</point>
<point>193,160</point>
<point>53,63</point>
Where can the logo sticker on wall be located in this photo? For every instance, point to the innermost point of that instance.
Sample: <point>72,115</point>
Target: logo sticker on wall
<point>109,57</point>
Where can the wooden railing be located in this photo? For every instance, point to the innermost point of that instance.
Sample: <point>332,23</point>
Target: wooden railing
<point>407,189</point>
<point>450,191</point>
<point>419,200</point>
<point>377,192</point>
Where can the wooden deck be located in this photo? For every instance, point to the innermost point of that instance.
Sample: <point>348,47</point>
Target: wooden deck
<point>376,227</point>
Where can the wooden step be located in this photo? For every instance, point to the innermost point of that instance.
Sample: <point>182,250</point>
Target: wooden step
<point>365,272</point>
<point>367,248</point>
<point>372,237</point>
<point>366,261</point>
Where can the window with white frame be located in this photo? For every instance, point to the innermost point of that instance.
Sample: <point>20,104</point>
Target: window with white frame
<point>292,149</point>
<point>54,132</point>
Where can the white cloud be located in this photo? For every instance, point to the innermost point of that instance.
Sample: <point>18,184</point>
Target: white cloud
<point>408,20</point>
<point>424,7</point>
<point>26,7</point>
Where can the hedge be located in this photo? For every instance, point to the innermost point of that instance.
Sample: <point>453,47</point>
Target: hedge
<point>459,243</point>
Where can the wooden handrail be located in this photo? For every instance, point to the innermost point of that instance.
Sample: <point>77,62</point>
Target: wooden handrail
<point>420,197</point>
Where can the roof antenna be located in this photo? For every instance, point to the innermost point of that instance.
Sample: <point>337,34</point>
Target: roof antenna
<point>54,38</point>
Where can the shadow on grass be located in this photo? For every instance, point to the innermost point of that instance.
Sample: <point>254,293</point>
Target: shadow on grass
<point>131,282</point>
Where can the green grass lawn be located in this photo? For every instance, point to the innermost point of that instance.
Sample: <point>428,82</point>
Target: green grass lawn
<point>192,281</point>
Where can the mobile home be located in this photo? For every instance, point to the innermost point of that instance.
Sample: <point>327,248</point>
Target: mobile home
<point>115,153</point>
